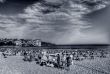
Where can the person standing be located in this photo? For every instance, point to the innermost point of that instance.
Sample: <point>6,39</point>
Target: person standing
<point>64,61</point>
<point>25,56</point>
<point>71,57</point>
<point>68,61</point>
<point>58,60</point>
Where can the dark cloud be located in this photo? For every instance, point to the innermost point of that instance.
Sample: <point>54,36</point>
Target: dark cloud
<point>15,6</point>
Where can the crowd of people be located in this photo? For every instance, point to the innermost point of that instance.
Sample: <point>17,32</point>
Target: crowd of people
<point>60,60</point>
<point>57,60</point>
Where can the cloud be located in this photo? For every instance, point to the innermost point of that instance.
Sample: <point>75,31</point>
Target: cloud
<point>34,14</point>
<point>10,27</point>
<point>53,25</point>
<point>64,24</point>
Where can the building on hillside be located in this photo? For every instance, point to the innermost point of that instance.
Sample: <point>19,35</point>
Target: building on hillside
<point>29,43</point>
<point>18,43</point>
<point>37,42</point>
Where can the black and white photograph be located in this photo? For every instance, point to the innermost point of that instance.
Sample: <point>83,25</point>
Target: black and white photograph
<point>54,36</point>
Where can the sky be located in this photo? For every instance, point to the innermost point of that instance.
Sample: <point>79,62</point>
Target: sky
<point>55,21</point>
